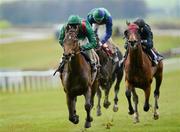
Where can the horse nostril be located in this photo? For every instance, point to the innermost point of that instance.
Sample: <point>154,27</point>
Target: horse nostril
<point>132,43</point>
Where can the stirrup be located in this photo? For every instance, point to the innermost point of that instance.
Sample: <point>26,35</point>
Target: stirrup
<point>155,62</point>
<point>159,58</point>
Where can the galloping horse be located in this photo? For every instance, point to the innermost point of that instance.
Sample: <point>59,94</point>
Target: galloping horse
<point>77,77</point>
<point>109,72</point>
<point>139,72</point>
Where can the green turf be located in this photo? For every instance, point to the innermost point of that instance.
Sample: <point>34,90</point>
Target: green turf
<point>2,36</point>
<point>46,53</point>
<point>31,54</point>
<point>4,24</point>
<point>46,111</point>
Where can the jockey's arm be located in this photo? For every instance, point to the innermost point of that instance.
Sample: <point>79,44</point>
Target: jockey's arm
<point>91,38</point>
<point>62,35</point>
<point>108,30</point>
<point>149,40</point>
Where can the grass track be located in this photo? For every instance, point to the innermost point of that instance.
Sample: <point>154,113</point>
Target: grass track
<point>46,111</point>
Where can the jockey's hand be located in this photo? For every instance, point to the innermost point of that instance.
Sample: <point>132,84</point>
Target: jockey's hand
<point>106,48</point>
<point>144,42</point>
<point>105,45</point>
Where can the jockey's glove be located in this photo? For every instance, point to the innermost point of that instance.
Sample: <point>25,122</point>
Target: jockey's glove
<point>144,42</point>
<point>105,45</point>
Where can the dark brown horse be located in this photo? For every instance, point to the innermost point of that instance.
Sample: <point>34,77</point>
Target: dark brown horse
<point>139,73</point>
<point>109,72</point>
<point>77,77</point>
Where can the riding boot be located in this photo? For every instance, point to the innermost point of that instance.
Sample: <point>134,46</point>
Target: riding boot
<point>153,56</point>
<point>115,57</point>
<point>159,56</point>
<point>123,59</point>
<point>61,65</point>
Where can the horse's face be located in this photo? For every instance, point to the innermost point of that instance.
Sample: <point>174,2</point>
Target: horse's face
<point>70,42</point>
<point>132,35</point>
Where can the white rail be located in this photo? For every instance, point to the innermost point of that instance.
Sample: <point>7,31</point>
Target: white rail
<point>16,81</point>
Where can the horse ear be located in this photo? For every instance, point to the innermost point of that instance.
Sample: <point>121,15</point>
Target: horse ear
<point>127,22</point>
<point>67,28</point>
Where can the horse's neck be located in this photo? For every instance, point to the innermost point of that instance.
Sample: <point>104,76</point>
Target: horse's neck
<point>136,57</point>
<point>76,63</point>
<point>103,57</point>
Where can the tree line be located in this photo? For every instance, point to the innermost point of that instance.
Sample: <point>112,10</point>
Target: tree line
<point>56,11</point>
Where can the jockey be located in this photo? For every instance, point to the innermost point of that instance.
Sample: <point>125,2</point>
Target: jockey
<point>85,33</point>
<point>101,16</point>
<point>146,40</point>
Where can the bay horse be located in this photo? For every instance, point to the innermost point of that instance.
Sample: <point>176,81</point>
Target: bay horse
<point>109,72</point>
<point>139,73</point>
<point>77,77</point>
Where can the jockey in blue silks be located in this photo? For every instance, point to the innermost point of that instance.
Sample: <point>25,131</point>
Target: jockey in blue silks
<point>101,16</point>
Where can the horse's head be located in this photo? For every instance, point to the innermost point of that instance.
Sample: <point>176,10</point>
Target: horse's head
<point>132,35</point>
<point>70,42</point>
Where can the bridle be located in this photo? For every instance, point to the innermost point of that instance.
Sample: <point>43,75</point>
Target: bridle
<point>71,35</point>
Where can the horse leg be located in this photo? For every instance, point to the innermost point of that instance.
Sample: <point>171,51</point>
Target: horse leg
<point>135,99</point>
<point>116,91</point>
<point>95,86</point>
<point>99,101</point>
<point>128,96</point>
<point>71,102</point>
<point>156,96</point>
<point>147,94</point>
<point>88,107</point>
<point>106,100</point>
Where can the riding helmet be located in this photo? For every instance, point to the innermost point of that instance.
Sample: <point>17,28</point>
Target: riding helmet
<point>98,15</point>
<point>74,19</point>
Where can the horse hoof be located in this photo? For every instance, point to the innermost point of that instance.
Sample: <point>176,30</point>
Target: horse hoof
<point>107,104</point>
<point>146,108</point>
<point>136,120</point>
<point>74,119</point>
<point>115,108</point>
<point>87,124</point>
<point>131,111</point>
<point>156,116</point>
<point>98,113</point>
<point>136,117</point>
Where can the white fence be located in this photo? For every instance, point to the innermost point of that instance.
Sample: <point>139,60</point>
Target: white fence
<point>17,81</point>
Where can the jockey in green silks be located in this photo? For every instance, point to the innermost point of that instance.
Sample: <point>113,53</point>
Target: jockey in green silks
<point>86,37</point>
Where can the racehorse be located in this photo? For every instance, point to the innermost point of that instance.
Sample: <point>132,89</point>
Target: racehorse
<point>77,77</point>
<point>109,72</point>
<point>139,73</point>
